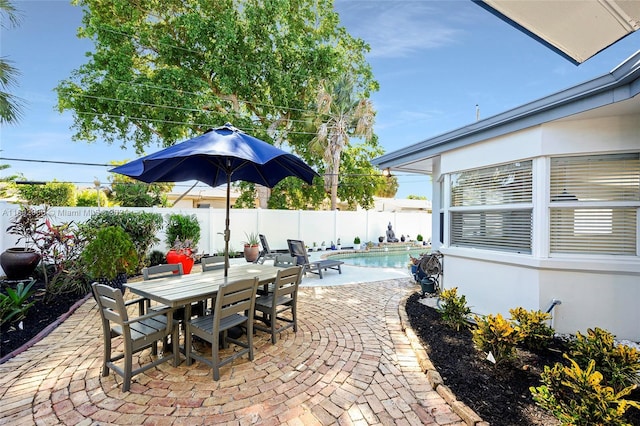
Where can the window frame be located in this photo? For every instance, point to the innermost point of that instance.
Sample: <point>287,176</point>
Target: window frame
<point>612,219</point>
<point>490,235</point>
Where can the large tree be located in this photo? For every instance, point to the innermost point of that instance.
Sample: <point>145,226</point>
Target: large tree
<point>163,71</point>
<point>342,111</point>
<point>128,192</point>
<point>10,105</point>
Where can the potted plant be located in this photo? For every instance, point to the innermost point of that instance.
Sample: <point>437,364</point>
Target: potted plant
<point>110,256</point>
<point>19,263</point>
<point>356,242</point>
<point>182,234</point>
<point>182,251</point>
<point>251,247</point>
<point>323,246</point>
<point>338,245</point>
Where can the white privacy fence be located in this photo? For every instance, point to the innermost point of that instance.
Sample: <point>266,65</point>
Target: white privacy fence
<point>276,225</point>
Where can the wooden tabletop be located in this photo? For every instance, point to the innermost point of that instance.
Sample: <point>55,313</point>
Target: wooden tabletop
<point>186,289</point>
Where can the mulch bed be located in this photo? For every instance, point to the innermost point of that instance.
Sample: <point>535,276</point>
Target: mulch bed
<point>499,394</point>
<point>39,317</point>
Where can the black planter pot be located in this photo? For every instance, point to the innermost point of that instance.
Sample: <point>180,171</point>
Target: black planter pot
<point>19,263</point>
<point>118,282</point>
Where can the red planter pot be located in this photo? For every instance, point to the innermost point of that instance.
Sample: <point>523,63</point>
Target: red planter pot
<point>183,257</point>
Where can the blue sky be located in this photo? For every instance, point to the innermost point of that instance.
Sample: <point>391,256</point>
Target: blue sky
<point>435,61</point>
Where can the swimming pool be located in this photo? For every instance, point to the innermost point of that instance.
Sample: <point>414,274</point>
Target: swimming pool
<point>380,259</point>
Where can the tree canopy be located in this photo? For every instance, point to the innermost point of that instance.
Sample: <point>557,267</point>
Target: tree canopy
<point>164,71</point>
<point>10,105</point>
<point>340,114</point>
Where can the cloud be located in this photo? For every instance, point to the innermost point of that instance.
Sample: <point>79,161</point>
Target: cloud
<point>396,29</point>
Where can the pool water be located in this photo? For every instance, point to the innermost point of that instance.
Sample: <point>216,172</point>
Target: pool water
<point>390,259</point>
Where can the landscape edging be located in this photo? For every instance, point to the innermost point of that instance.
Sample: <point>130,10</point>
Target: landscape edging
<point>45,331</point>
<point>470,417</point>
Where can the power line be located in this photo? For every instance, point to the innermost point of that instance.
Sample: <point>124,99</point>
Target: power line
<point>177,108</point>
<point>73,163</point>
<point>80,163</point>
<point>157,120</point>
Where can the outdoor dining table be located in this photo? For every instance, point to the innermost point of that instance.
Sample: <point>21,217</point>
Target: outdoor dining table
<point>183,290</point>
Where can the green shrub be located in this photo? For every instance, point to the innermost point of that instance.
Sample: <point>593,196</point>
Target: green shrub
<point>142,228</point>
<point>110,253</point>
<point>15,304</point>
<point>454,309</point>
<point>51,194</point>
<point>156,257</point>
<point>619,364</point>
<point>496,335</point>
<point>535,334</point>
<point>576,396</point>
<point>419,237</point>
<point>89,198</point>
<point>182,227</point>
<point>75,281</point>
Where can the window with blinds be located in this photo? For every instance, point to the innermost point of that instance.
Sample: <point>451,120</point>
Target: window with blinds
<point>594,204</point>
<point>491,208</point>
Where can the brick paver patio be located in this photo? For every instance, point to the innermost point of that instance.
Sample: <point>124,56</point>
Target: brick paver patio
<point>350,363</point>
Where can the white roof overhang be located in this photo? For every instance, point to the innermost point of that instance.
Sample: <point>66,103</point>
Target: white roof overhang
<point>577,29</point>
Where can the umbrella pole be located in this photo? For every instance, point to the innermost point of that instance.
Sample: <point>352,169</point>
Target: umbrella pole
<point>227,232</point>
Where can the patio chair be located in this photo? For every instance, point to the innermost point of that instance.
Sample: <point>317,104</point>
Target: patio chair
<point>235,305</point>
<point>266,253</point>
<point>298,250</point>
<point>211,263</point>
<point>137,333</point>
<point>161,271</point>
<point>285,260</point>
<point>170,270</point>
<point>283,298</point>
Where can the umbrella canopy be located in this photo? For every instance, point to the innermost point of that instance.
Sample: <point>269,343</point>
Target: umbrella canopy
<point>219,156</point>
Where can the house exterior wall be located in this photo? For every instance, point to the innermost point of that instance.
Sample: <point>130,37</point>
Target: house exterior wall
<point>607,299</point>
<point>595,290</point>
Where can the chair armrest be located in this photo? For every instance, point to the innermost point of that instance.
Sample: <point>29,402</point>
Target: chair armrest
<point>149,315</point>
<point>140,301</point>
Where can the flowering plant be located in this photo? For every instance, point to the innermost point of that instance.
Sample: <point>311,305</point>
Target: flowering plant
<point>185,247</point>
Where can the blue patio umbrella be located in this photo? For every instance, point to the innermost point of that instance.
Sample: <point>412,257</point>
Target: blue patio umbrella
<point>219,156</point>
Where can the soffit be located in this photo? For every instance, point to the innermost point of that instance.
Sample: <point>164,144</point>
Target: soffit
<point>575,29</point>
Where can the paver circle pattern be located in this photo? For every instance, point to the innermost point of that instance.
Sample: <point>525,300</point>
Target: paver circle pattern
<point>349,363</point>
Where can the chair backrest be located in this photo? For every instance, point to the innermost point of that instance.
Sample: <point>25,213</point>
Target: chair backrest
<point>161,271</point>
<point>287,282</point>
<point>285,260</point>
<point>110,304</point>
<point>298,250</point>
<point>265,244</point>
<point>235,297</point>
<point>211,263</point>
